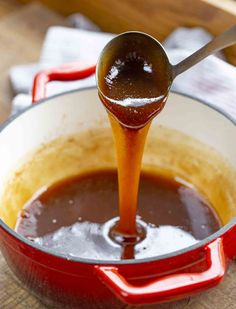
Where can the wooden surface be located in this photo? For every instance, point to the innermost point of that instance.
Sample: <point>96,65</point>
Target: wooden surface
<point>21,38</point>
<point>31,23</point>
<point>157,17</point>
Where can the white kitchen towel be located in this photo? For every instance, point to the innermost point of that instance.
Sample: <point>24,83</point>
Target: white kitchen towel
<point>61,45</point>
<point>213,80</point>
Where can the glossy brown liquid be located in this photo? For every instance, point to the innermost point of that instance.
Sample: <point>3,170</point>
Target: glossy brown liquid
<point>134,80</point>
<point>129,149</point>
<point>74,217</point>
<point>134,88</point>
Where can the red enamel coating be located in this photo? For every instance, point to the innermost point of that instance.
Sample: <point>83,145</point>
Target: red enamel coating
<point>66,72</point>
<point>170,286</point>
<point>63,283</point>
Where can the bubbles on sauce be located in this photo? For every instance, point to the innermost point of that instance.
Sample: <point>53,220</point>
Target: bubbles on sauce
<point>74,241</point>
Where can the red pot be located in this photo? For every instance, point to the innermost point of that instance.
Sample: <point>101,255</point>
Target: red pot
<point>83,283</point>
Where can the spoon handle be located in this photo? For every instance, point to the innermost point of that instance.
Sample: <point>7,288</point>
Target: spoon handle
<point>225,39</point>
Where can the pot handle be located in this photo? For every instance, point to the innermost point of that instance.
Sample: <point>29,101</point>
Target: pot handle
<point>169,287</point>
<point>65,72</point>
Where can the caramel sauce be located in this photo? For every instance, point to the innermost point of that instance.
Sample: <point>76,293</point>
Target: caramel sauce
<point>134,85</point>
<point>129,149</point>
<point>79,216</point>
<point>75,217</point>
<point>134,89</point>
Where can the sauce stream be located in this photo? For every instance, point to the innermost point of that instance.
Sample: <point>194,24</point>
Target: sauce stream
<point>133,92</point>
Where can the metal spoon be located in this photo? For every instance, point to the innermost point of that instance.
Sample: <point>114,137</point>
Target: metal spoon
<point>134,70</point>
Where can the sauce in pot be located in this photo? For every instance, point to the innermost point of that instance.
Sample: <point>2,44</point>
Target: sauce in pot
<point>79,217</point>
<point>75,217</point>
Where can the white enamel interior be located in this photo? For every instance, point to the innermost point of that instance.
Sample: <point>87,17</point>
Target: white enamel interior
<point>78,111</point>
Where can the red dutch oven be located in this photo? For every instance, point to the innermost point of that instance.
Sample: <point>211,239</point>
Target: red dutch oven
<point>85,283</point>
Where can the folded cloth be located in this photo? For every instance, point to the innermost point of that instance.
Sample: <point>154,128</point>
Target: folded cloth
<point>61,45</point>
<point>212,80</point>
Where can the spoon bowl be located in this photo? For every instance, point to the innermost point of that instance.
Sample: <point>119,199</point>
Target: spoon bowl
<point>133,71</point>
<point>134,74</point>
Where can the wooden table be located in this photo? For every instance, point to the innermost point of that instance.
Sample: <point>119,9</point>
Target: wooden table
<point>29,37</point>
<point>156,17</point>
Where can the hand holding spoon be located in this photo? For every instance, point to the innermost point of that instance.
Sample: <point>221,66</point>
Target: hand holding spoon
<point>134,74</point>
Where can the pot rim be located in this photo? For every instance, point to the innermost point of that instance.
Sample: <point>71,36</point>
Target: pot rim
<point>199,244</point>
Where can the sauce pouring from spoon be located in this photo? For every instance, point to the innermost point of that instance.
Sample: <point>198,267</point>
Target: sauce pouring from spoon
<point>134,71</point>
<point>134,77</point>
